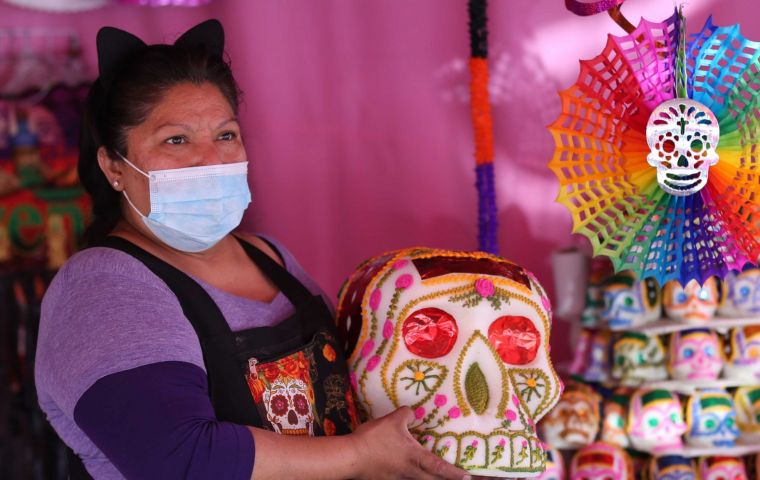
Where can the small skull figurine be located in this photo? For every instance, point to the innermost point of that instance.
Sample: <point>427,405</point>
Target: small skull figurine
<point>598,362</point>
<point>601,461</point>
<point>695,354</point>
<point>655,421</point>
<point>711,419</point>
<point>747,401</point>
<point>463,339</point>
<point>574,421</point>
<point>722,468</point>
<point>555,466</point>
<point>629,302</point>
<point>672,467</point>
<point>744,359</point>
<point>638,358</point>
<point>741,294</point>
<point>682,135</point>
<point>694,303</point>
<point>614,418</point>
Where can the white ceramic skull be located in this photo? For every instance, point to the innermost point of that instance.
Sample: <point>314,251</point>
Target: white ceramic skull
<point>695,354</point>
<point>655,421</point>
<point>741,294</point>
<point>747,401</point>
<point>574,421</point>
<point>630,302</point>
<point>671,467</point>
<point>692,303</point>
<point>288,407</point>
<point>711,419</point>
<point>744,358</point>
<point>463,339</point>
<point>638,358</point>
<point>682,135</point>
<point>601,461</point>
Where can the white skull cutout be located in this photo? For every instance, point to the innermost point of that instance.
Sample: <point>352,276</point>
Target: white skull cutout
<point>288,407</point>
<point>682,135</point>
<point>462,338</point>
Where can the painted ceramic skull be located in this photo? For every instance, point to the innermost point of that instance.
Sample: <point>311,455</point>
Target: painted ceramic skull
<point>638,358</point>
<point>744,359</point>
<point>695,354</point>
<point>614,418</point>
<point>601,461</point>
<point>629,302</point>
<point>682,135</point>
<point>711,419</point>
<point>741,294</point>
<point>591,316</point>
<point>574,421</point>
<point>747,401</point>
<point>463,339</point>
<point>288,407</point>
<point>722,468</point>
<point>655,421</point>
<point>598,361</point>
<point>672,467</point>
<point>694,303</point>
<point>582,352</point>
<point>555,466</point>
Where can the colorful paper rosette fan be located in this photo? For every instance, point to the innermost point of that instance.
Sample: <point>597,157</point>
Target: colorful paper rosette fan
<point>674,195</point>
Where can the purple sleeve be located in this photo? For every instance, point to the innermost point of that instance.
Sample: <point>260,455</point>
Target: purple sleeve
<point>157,421</point>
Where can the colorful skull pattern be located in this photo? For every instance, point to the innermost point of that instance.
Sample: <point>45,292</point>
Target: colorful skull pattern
<point>682,135</point>
<point>722,468</point>
<point>693,303</point>
<point>672,467</point>
<point>711,419</point>
<point>695,354</point>
<point>601,461</point>
<point>744,359</point>
<point>574,421</point>
<point>461,338</point>
<point>638,358</point>
<point>629,302</point>
<point>598,362</point>
<point>741,294</point>
<point>614,419</point>
<point>555,466</point>
<point>655,421</point>
<point>747,401</point>
<point>289,409</point>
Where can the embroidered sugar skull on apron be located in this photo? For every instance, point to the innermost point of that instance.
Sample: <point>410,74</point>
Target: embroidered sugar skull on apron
<point>462,338</point>
<point>711,419</point>
<point>601,460</point>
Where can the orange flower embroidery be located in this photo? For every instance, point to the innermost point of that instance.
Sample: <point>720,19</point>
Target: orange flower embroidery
<point>329,353</point>
<point>294,366</point>
<point>271,371</point>
<point>257,387</point>
<point>329,427</point>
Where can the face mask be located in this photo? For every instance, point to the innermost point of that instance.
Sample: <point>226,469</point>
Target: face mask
<point>192,208</point>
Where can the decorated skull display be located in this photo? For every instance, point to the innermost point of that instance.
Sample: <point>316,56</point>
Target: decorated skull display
<point>461,338</point>
<point>711,419</point>
<point>614,419</point>
<point>574,421</point>
<point>747,401</point>
<point>629,302</point>
<point>598,361</point>
<point>655,421</point>
<point>638,358</point>
<point>672,467</point>
<point>555,466</point>
<point>682,135</point>
<point>601,461</point>
<point>722,468</point>
<point>695,354</point>
<point>694,303</point>
<point>744,358</point>
<point>288,407</point>
<point>741,294</point>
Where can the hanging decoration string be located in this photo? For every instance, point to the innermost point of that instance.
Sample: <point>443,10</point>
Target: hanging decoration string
<point>681,90</point>
<point>483,126</point>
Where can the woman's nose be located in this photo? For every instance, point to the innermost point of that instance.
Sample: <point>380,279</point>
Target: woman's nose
<point>208,153</point>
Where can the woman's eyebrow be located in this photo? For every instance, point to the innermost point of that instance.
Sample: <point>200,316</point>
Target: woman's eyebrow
<point>225,122</point>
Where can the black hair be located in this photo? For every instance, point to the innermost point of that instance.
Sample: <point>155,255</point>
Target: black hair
<point>124,101</point>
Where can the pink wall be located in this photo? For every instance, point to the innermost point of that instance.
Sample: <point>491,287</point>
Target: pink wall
<point>357,124</point>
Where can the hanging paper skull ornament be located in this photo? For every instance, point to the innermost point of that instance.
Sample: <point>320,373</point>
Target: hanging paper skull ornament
<point>722,468</point>
<point>695,354</point>
<point>555,465</point>
<point>693,303</point>
<point>747,401</point>
<point>711,419</point>
<point>601,461</point>
<point>741,294</point>
<point>743,361</point>
<point>629,302</point>
<point>672,467</point>
<point>655,421</point>
<point>614,418</point>
<point>682,135</point>
<point>638,358</point>
<point>463,339</point>
<point>574,421</point>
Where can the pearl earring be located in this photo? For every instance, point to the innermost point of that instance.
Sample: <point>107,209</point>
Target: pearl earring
<point>115,183</point>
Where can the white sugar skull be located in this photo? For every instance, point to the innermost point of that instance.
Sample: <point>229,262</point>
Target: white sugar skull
<point>462,338</point>
<point>638,358</point>
<point>601,461</point>
<point>747,401</point>
<point>629,302</point>
<point>655,421</point>
<point>695,354</point>
<point>672,467</point>
<point>614,418</point>
<point>741,294</point>
<point>289,409</point>
<point>722,468</point>
<point>682,135</point>
<point>711,419</point>
<point>574,421</point>
<point>744,359</point>
<point>693,303</point>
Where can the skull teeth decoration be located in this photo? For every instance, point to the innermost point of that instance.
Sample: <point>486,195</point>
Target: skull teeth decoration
<point>461,338</point>
<point>602,461</point>
<point>682,135</point>
<point>655,421</point>
<point>711,419</point>
<point>722,468</point>
<point>638,358</point>
<point>574,421</point>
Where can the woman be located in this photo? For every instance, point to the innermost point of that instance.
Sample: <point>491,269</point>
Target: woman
<point>174,349</point>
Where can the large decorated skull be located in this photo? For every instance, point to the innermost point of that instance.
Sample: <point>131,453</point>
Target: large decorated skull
<point>601,461</point>
<point>614,418</point>
<point>574,421</point>
<point>711,419</point>
<point>555,466</point>
<point>693,303</point>
<point>638,358</point>
<point>463,339</point>
<point>629,302</point>
<point>744,358</point>
<point>672,467</point>
<point>722,468</point>
<point>682,135</point>
<point>655,421</point>
<point>695,354</point>
<point>741,294</point>
<point>747,401</point>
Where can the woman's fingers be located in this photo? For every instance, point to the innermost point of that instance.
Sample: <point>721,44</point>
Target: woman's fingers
<point>439,468</point>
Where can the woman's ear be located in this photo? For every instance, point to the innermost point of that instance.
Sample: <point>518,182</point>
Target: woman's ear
<point>112,169</point>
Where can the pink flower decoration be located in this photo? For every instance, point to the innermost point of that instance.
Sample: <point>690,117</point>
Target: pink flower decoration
<point>440,400</point>
<point>524,443</point>
<point>367,348</point>
<point>484,287</point>
<point>352,378</point>
<point>400,264</point>
<point>454,412</point>
<point>387,329</point>
<point>374,299</point>
<point>373,363</point>
<point>547,305</point>
<point>511,415</point>
<point>419,413</point>
<point>404,281</point>
<point>502,442</point>
<point>474,443</point>
<point>515,400</point>
<point>531,422</point>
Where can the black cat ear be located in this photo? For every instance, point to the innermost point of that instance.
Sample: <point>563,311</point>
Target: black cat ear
<point>113,46</point>
<point>208,34</point>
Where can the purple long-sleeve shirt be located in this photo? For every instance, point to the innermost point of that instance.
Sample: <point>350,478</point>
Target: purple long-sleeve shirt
<point>107,319</point>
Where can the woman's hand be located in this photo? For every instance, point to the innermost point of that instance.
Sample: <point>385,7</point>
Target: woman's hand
<point>384,448</point>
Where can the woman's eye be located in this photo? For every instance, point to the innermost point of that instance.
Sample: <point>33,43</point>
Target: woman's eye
<point>228,136</point>
<point>176,140</point>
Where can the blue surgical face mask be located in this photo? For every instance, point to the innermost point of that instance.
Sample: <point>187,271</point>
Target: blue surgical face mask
<point>192,208</point>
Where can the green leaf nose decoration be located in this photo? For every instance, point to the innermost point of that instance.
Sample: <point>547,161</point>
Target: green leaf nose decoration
<point>476,389</point>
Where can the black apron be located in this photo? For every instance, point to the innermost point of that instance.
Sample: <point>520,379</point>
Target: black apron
<point>290,378</point>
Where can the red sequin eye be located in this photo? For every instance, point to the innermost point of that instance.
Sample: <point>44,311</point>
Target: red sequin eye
<point>515,338</point>
<point>430,332</point>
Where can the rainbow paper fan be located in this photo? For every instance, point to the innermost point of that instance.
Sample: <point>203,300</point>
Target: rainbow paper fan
<point>639,205</point>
